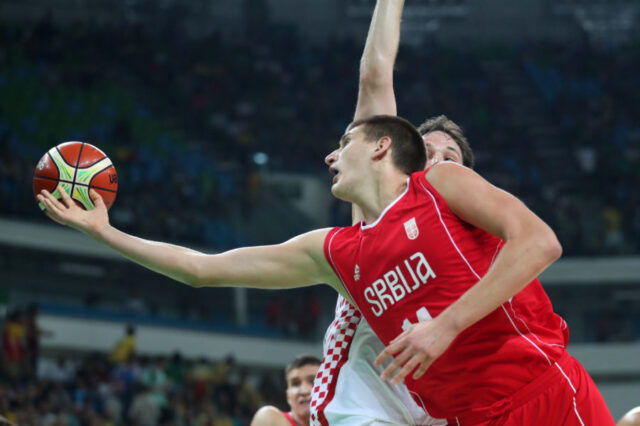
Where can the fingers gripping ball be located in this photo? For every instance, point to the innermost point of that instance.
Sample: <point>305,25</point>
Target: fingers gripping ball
<point>77,167</point>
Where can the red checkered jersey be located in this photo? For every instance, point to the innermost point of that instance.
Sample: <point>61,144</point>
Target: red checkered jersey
<point>337,343</point>
<point>417,259</point>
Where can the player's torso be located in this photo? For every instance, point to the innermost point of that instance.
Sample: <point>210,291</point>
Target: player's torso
<point>416,260</point>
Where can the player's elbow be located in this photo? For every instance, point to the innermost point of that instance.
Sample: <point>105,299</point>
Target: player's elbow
<point>548,245</point>
<point>194,272</point>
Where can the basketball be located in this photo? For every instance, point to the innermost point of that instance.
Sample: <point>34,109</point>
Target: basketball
<point>77,167</point>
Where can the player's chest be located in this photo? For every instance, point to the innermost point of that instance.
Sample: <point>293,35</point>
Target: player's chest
<point>396,258</point>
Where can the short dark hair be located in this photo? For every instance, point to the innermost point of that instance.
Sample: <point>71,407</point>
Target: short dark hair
<point>301,361</point>
<point>443,124</point>
<point>408,152</point>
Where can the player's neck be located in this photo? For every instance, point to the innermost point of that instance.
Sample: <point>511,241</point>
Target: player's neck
<point>382,192</point>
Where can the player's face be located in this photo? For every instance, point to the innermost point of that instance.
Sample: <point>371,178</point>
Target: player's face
<point>299,384</point>
<point>441,147</point>
<point>347,162</point>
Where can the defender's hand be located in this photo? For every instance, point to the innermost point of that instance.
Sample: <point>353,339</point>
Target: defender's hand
<point>416,349</point>
<point>67,213</point>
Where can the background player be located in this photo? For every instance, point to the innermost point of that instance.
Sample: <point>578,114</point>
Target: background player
<point>632,418</point>
<point>299,375</point>
<point>371,168</point>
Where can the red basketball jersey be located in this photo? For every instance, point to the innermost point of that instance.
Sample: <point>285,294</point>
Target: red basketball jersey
<point>416,260</point>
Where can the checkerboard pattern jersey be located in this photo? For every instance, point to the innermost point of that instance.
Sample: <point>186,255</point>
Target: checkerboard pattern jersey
<point>337,342</point>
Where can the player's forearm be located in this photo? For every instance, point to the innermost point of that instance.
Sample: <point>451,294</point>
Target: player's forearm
<point>375,95</point>
<point>520,261</point>
<point>179,263</point>
<point>381,47</point>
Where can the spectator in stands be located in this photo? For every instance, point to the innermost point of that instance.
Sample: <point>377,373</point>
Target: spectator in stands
<point>124,348</point>
<point>176,371</point>
<point>144,410</point>
<point>32,338</point>
<point>14,351</point>
<point>299,376</point>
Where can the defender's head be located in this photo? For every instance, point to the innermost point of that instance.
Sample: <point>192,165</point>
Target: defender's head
<point>445,141</point>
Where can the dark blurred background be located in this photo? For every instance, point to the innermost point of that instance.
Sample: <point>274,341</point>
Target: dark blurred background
<point>218,115</point>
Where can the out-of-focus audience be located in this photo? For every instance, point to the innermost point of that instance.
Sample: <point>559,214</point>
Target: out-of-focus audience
<point>182,119</point>
<point>143,391</point>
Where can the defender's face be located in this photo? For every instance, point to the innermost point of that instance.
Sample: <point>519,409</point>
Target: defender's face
<point>441,147</point>
<point>299,385</point>
<point>346,163</point>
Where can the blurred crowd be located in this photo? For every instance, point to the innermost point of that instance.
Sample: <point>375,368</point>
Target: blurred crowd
<point>183,119</point>
<point>123,388</point>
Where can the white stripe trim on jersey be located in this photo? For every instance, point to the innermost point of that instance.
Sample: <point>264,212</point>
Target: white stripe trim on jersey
<point>575,405</point>
<point>336,270</point>
<point>435,203</point>
<point>529,330</point>
<point>386,209</point>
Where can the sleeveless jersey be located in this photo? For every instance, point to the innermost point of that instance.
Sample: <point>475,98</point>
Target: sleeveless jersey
<point>348,390</point>
<point>417,259</point>
<point>289,416</point>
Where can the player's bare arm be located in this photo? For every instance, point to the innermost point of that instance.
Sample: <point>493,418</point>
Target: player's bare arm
<point>375,94</point>
<point>269,416</point>
<point>375,90</point>
<point>530,247</point>
<point>295,263</point>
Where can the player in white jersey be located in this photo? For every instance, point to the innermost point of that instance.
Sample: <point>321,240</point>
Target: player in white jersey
<point>348,389</point>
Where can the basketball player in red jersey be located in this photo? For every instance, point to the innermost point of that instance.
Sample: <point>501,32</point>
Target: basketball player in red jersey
<point>350,344</point>
<point>443,267</point>
<point>299,375</point>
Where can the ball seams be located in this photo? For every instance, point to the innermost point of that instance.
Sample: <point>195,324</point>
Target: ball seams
<point>75,173</point>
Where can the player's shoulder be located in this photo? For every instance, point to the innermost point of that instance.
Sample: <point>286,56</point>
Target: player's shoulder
<point>449,177</point>
<point>445,169</point>
<point>270,416</point>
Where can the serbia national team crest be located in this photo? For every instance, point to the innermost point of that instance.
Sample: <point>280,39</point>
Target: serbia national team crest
<point>411,228</point>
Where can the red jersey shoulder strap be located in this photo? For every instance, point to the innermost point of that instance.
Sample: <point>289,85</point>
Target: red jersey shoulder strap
<point>289,416</point>
<point>424,186</point>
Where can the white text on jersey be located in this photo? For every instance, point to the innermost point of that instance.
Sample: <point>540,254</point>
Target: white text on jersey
<point>393,286</point>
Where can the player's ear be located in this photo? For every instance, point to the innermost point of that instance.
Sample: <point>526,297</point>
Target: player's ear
<point>382,147</point>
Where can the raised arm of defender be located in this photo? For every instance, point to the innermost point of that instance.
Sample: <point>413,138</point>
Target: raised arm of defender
<point>296,263</point>
<point>375,89</point>
<point>375,94</point>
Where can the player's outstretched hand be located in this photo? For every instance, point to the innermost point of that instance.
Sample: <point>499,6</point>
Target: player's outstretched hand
<point>415,349</point>
<point>66,212</point>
